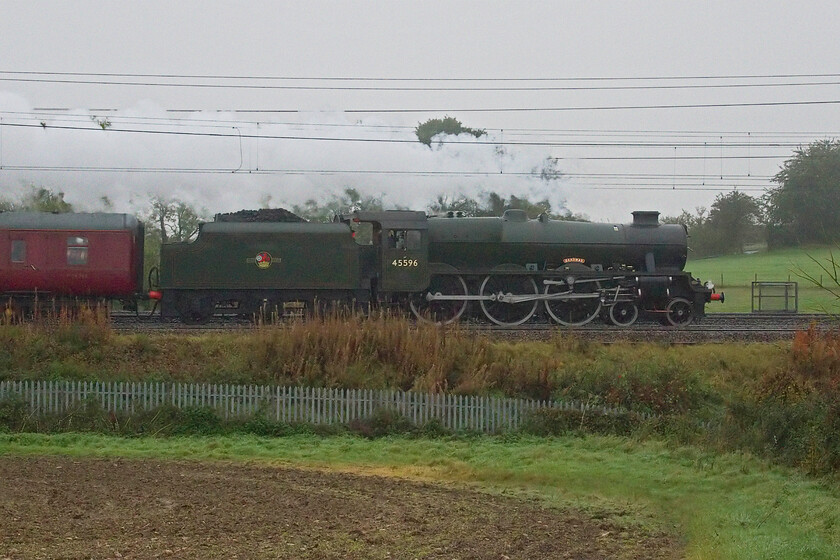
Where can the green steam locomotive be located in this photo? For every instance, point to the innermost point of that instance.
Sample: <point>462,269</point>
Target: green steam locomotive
<point>508,270</point>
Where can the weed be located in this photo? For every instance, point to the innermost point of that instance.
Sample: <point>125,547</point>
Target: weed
<point>555,421</point>
<point>199,420</point>
<point>383,422</point>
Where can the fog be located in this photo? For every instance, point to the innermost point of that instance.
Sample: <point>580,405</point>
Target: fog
<point>648,105</point>
<point>221,162</point>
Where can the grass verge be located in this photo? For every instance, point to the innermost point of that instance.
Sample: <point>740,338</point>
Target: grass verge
<point>726,505</point>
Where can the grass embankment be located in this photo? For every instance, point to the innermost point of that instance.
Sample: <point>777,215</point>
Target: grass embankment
<point>734,274</point>
<point>726,505</point>
<point>779,402</point>
<point>391,353</point>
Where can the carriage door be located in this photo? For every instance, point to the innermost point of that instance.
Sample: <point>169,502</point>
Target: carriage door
<point>404,258</point>
<point>28,261</point>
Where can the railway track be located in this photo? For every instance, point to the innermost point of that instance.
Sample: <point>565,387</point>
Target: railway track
<point>716,327</point>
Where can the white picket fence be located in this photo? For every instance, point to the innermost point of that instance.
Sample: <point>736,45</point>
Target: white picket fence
<point>309,405</point>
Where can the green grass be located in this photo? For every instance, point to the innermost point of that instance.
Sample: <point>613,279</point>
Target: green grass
<point>373,354</point>
<point>738,298</point>
<point>726,506</point>
<point>734,274</point>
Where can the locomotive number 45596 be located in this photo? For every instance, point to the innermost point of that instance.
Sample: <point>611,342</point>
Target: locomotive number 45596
<point>404,262</point>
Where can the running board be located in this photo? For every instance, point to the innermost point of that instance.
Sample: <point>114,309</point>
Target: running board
<point>511,298</point>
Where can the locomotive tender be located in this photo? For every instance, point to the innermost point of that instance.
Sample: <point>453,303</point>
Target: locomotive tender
<point>505,269</point>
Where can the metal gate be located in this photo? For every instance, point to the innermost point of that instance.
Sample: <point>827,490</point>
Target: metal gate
<point>775,297</point>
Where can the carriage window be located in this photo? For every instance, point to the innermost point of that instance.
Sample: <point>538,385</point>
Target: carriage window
<point>77,250</point>
<point>403,239</point>
<point>18,251</point>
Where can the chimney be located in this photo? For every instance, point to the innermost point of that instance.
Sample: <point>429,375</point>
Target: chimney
<point>645,218</point>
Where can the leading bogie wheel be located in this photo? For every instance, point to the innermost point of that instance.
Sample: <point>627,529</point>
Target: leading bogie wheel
<point>680,312</point>
<point>440,312</point>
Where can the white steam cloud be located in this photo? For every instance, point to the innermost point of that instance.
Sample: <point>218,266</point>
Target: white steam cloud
<point>226,162</point>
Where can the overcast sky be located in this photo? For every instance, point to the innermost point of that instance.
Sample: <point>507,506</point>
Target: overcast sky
<point>638,105</point>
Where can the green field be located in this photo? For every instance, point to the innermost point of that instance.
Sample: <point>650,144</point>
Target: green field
<point>725,505</point>
<point>734,274</point>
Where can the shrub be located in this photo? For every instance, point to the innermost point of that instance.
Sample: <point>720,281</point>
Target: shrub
<point>434,428</point>
<point>383,422</point>
<point>198,420</point>
<point>555,421</point>
<point>647,387</point>
<point>14,412</point>
<point>261,426</point>
<point>804,434</point>
<point>815,357</point>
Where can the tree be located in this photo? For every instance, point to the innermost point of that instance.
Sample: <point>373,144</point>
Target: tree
<point>173,220</point>
<point>805,205</point>
<point>497,204</point>
<point>38,199</point>
<point>734,217</point>
<point>730,223</point>
<point>447,125</point>
<point>351,199</point>
<point>494,204</point>
<point>461,203</point>
<point>168,220</point>
<point>533,209</point>
<point>45,200</point>
<point>702,240</point>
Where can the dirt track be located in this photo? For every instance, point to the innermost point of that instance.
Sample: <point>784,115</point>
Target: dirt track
<point>90,508</point>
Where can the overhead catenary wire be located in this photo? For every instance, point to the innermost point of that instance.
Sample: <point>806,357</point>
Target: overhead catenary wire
<point>521,137</point>
<point>444,110</point>
<point>58,114</point>
<point>450,173</point>
<point>417,173</point>
<point>375,88</point>
<point>589,143</point>
<point>454,110</point>
<point>412,141</point>
<point>424,78</point>
<point>601,178</point>
<point>429,78</point>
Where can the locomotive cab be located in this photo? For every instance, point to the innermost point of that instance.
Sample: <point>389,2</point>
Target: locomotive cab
<point>399,248</point>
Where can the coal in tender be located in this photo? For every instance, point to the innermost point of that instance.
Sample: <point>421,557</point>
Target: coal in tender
<point>261,215</point>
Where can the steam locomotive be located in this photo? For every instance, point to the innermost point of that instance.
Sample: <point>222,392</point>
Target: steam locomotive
<point>506,269</point>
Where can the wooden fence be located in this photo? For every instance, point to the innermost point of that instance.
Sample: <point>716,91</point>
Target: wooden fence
<point>287,404</point>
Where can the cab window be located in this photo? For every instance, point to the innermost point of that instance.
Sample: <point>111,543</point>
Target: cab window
<point>404,239</point>
<point>77,251</point>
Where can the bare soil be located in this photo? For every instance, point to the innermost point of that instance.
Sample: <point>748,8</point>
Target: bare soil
<point>55,507</point>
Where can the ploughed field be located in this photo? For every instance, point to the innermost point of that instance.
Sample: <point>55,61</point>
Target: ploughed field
<point>54,507</point>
